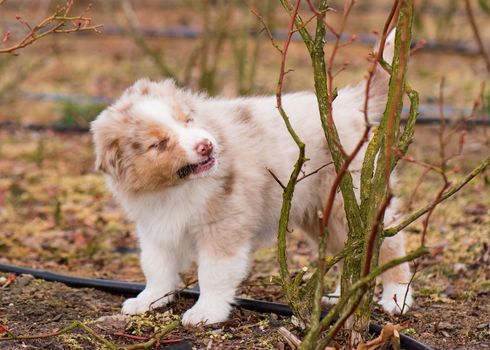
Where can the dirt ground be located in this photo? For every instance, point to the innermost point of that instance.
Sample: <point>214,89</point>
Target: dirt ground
<point>56,214</point>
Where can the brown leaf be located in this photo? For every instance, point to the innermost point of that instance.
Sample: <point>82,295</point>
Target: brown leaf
<point>113,323</point>
<point>388,331</point>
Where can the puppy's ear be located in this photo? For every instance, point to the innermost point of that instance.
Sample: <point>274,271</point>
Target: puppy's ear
<point>108,159</point>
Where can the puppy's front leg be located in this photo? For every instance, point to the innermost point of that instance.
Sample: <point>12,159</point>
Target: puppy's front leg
<point>160,263</point>
<point>220,271</point>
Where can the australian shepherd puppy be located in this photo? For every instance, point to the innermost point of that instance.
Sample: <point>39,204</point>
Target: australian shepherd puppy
<point>192,172</point>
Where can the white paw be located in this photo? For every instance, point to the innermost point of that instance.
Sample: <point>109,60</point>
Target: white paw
<point>206,313</point>
<point>332,298</point>
<point>145,301</point>
<point>393,299</point>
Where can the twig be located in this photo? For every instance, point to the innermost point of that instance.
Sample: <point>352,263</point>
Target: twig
<point>291,339</point>
<point>172,292</point>
<point>276,178</point>
<point>417,186</point>
<point>407,290</point>
<point>314,171</point>
<point>267,30</point>
<point>156,338</point>
<point>131,336</point>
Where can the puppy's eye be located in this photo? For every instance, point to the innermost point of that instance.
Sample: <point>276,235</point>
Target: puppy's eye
<point>160,145</point>
<point>189,120</point>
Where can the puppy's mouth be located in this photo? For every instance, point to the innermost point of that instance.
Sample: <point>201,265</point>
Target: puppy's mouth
<point>196,168</point>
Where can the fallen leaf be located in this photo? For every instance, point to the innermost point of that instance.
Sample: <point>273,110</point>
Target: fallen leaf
<point>387,333</point>
<point>113,323</point>
<point>446,325</point>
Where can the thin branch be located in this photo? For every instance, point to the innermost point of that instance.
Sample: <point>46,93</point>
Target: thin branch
<point>156,338</point>
<point>267,30</point>
<point>289,288</point>
<point>314,171</point>
<point>417,186</point>
<point>54,24</point>
<point>276,178</point>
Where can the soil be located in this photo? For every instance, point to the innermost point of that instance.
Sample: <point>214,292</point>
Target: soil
<point>56,214</point>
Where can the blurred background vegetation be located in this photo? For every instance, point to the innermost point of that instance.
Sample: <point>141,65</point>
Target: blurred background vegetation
<point>217,46</point>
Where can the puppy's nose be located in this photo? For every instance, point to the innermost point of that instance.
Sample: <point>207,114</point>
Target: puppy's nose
<point>204,148</point>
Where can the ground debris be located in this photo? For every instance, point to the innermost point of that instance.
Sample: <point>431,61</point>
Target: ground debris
<point>113,323</point>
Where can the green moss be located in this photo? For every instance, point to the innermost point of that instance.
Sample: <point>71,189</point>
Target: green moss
<point>427,292</point>
<point>409,331</point>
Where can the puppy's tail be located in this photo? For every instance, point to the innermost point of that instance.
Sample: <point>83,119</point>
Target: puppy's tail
<point>378,87</point>
<point>350,102</point>
<point>389,48</point>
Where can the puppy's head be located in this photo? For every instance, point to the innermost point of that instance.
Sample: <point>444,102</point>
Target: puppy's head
<point>151,139</point>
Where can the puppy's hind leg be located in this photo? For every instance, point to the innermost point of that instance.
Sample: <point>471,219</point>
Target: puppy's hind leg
<point>397,294</point>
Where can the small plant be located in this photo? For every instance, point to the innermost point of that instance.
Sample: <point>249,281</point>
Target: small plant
<point>79,114</point>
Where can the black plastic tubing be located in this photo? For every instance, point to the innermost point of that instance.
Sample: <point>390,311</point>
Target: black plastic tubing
<point>131,288</point>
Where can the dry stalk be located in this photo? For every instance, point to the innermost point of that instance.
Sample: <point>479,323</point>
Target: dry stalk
<point>476,34</point>
<point>60,22</point>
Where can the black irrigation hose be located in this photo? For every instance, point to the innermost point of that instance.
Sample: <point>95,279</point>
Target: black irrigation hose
<point>131,288</point>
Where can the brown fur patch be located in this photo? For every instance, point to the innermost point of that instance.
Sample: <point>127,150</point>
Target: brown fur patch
<point>180,115</point>
<point>123,147</point>
<point>125,109</point>
<point>145,90</point>
<point>229,182</point>
<point>225,232</point>
<point>244,116</point>
<point>155,168</point>
<point>156,131</point>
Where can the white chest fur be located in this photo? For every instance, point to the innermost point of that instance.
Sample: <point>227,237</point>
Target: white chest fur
<point>169,215</point>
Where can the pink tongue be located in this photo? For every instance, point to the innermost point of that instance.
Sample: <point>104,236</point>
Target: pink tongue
<point>204,166</point>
